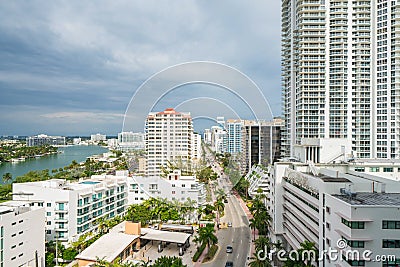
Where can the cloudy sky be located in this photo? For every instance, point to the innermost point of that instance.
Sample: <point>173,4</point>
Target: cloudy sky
<point>72,67</point>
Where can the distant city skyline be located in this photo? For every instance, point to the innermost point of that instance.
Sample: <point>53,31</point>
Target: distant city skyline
<point>72,68</point>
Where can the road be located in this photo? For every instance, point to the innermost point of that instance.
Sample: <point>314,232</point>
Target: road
<point>238,236</point>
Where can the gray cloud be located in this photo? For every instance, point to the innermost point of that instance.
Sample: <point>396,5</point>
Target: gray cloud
<point>86,57</point>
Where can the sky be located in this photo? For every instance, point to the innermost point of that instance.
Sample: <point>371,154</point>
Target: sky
<point>72,67</point>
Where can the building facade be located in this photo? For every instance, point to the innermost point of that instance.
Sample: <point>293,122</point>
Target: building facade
<point>261,143</point>
<point>98,137</point>
<point>340,74</point>
<point>42,139</point>
<point>328,203</point>
<point>22,234</point>
<point>174,187</point>
<point>73,208</point>
<point>168,139</point>
<point>235,130</point>
<point>128,141</point>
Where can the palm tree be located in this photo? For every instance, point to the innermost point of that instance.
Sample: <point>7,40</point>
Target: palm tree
<point>220,194</point>
<point>219,207</point>
<point>7,177</point>
<point>263,242</point>
<point>206,235</point>
<point>102,226</point>
<point>168,261</point>
<point>253,226</point>
<point>258,262</point>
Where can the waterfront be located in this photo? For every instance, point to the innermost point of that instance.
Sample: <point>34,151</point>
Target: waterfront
<point>70,153</point>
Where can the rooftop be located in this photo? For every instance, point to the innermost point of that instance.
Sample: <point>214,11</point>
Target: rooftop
<point>108,247</point>
<point>157,235</point>
<point>371,199</point>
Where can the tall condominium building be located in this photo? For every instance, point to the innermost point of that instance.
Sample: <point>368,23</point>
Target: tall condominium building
<point>196,147</point>
<point>340,74</point>
<point>72,209</point>
<point>234,128</point>
<point>261,142</point>
<point>42,139</point>
<point>22,235</point>
<point>168,138</point>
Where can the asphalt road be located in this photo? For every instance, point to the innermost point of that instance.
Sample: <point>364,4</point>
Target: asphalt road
<point>238,236</point>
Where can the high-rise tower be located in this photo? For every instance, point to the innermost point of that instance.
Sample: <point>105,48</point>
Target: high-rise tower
<point>168,138</point>
<point>341,74</point>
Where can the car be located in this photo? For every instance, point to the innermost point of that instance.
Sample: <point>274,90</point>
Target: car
<point>225,201</point>
<point>229,264</point>
<point>229,249</point>
<point>229,224</point>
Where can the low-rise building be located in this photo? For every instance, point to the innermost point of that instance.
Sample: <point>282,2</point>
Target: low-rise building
<point>174,187</point>
<point>72,208</point>
<point>22,234</point>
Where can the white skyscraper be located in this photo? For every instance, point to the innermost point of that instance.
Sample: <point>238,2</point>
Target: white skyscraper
<point>168,138</point>
<point>341,74</point>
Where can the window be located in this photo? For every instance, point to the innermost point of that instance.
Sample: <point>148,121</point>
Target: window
<point>48,232</point>
<point>48,223</point>
<point>328,226</point>
<point>390,224</point>
<point>354,224</point>
<point>173,192</point>
<point>359,169</point>
<point>48,204</point>
<point>328,209</point>
<point>48,213</point>
<point>390,243</point>
<point>395,263</point>
<point>388,169</point>
<point>21,221</point>
<point>374,169</point>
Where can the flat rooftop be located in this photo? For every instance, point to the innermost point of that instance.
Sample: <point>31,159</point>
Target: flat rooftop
<point>108,247</point>
<point>329,179</point>
<point>372,199</point>
<point>166,236</point>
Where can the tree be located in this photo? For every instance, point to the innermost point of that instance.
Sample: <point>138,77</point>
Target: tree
<point>165,261</point>
<point>207,236</point>
<point>259,262</point>
<point>7,177</point>
<point>219,207</point>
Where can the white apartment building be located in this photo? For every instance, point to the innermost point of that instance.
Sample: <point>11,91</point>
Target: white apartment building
<point>98,137</point>
<point>43,139</point>
<point>72,208</point>
<point>196,147</point>
<point>207,136</point>
<point>174,187</point>
<point>324,203</point>
<point>219,139</point>
<point>168,138</point>
<point>22,234</point>
<point>340,74</point>
<point>128,141</point>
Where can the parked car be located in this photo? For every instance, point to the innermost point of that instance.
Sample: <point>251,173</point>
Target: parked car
<point>229,224</point>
